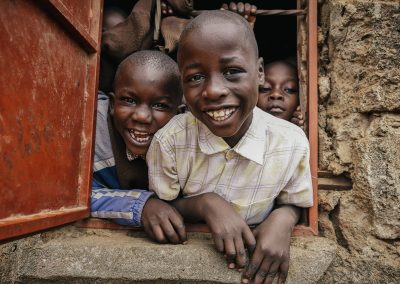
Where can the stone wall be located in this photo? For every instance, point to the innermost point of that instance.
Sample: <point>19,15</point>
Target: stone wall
<point>359,136</point>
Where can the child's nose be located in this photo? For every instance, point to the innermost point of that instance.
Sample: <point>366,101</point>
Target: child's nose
<point>275,95</point>
<point>142,114</point>
<point>215,89</point>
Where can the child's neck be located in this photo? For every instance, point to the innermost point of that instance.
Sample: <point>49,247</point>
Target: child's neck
<point>233,140</point>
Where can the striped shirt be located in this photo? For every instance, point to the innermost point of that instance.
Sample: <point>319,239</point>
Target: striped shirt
<point>270,162</point>
<point>108,199</point>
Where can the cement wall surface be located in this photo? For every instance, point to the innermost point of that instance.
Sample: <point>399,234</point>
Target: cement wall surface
<point>75,255</point>
<point>359,136</point>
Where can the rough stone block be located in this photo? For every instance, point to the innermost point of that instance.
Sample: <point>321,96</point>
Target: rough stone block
<point>104,256</point>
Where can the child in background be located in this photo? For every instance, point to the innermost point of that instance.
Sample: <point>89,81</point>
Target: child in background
<point>279,95</point>
<point>112,16</point>
<point>280,77</point>
<point>230,160</point>
<point>147,94</point>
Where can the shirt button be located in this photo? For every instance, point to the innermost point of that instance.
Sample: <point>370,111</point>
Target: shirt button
<point>229,154</point>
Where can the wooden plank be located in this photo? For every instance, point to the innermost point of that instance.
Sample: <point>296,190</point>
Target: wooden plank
<point>47,108</point>
<point>328,181</point>
<point>17,226</point>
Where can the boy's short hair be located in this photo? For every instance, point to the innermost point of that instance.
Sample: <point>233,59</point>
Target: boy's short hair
<point>157,61</point>
<point>220,16</point>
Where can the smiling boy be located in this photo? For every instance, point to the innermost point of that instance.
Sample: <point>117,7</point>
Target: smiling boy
<point>230,160</point>
<point>147,95</point>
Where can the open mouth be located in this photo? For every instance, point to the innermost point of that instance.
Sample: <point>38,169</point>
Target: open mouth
<point>140,136</point>
<point>221,114</point>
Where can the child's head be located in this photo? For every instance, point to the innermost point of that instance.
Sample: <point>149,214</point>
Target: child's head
<point>147,95</point>
<point>280,94</point>
<point>221,72</point>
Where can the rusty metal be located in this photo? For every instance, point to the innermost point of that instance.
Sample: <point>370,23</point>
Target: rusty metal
<point>261,12</point>
<point>313,108</point>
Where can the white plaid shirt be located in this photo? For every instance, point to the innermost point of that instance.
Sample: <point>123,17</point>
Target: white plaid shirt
<point>270,162</point>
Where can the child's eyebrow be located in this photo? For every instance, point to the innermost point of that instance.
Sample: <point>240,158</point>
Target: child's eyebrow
<point>227,59</point>
<point>222,60</point>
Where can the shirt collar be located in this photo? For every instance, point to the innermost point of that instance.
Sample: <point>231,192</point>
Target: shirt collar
<point>251,145</point>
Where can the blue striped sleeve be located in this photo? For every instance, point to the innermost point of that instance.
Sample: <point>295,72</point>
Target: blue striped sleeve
<point>122,206</point>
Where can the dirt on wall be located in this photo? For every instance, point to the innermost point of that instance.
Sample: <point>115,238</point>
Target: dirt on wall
<point>359,136</point>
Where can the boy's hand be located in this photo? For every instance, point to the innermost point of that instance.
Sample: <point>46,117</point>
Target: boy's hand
<point>297,118</point>
<point>231,234</point>
<point>271,256</point>
<point>247,10</point>
<point>162,222</point>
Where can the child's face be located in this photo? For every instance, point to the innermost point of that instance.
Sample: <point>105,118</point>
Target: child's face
<point>144,102</point>
<point>220,78</point>
<point>280,94</point>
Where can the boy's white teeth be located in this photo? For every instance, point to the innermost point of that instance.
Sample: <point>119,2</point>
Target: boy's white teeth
<point>140,136</point>
<point>221,114</point>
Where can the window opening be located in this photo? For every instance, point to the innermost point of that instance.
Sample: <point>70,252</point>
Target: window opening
<point>283,29</point>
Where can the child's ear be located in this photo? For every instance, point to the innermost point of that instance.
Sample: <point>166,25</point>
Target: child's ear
<point>112,101</point>
<point>261,76</point>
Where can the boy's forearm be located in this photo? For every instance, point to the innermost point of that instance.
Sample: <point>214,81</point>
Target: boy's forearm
<point>287,215</point>
<point>190,208</point>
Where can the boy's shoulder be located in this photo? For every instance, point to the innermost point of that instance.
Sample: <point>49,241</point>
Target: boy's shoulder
<point>179,124</point>
<point>279,129</point>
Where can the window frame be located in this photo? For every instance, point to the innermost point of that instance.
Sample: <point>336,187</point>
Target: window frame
<point>308,72</point>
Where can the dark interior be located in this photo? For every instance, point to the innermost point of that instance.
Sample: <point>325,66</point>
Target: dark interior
<point>276,35</point>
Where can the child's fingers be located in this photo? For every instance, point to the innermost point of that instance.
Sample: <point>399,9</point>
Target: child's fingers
<point>148,230</point>
<point>240,8</point>
<point>159,234</point>
<point>249,241</point>
<point>241,257</point>
<point>224,7</point>
<point>262,272</point>
<point>233,7</point>
<point>252,267</point>
<point>169,232</point>
<point>272,273</point>
<point>219,243</point>
<point>179,227</point>
<point>230,252</point>
<point>247,9</point>
<point>283,271</point>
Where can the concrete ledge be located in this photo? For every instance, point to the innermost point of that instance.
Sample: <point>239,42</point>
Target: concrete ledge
<point>72,255</point>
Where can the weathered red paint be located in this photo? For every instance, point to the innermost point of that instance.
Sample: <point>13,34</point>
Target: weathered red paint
<point>47,105</point>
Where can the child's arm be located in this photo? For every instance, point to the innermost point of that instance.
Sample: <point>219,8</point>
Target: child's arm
<point>231,234</point>
<point>137,207</point>
<point>271,255</point>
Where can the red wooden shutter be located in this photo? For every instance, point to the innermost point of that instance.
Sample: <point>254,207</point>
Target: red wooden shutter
<point>49,59</point>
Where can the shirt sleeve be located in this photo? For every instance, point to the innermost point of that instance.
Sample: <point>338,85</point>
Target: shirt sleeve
<point>299,191</point>
<point>163,177</point>
<point>122,206</point>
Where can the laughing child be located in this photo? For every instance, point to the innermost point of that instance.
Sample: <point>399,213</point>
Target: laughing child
<point>147,94</point>
<point>230,160</point>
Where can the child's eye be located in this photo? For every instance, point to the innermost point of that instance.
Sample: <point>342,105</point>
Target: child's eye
<point>232,71</point>
<point>291,91</point>
<point>128,100</point>
<point>161,106</point>
<point>195,77</point>
<point>265,89</point>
